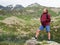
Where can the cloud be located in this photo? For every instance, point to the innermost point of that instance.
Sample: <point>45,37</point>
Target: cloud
<point>50,3</point>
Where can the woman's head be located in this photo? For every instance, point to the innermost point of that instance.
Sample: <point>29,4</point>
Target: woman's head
<point>45,10</point>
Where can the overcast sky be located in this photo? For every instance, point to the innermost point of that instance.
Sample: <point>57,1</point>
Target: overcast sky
<point>49,3</point>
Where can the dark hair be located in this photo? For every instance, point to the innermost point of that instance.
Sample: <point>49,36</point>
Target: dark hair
<point>47,10</point>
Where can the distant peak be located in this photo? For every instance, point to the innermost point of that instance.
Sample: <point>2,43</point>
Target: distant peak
<point>34,5</point>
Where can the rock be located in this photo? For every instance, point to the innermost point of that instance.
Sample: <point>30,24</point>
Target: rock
<point>34,42</point>
<point>31,42</point>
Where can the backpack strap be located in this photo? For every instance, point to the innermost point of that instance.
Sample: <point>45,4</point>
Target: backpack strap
<point>47,16</point>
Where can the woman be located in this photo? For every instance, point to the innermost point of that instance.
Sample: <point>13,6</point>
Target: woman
<point>45,23</point>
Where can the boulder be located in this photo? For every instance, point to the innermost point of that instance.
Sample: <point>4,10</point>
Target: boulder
<point>34,42</point>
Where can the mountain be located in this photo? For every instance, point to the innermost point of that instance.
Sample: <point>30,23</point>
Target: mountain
<point>34,5</point>
<point>56,10</point>
<point>18,7</point>
<point>8,8</point>
<point>1,7</point>
<point>36,9</point>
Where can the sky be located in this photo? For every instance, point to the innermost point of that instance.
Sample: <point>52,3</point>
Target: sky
<point>48,3</point>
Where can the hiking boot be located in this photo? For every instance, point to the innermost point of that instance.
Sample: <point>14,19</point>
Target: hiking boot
<point>49,41</point>
<point>34,38</point>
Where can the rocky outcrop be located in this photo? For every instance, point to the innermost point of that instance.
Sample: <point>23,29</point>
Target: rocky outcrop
<point>34,42</point>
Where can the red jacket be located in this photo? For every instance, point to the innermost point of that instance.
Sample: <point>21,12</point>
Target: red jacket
<point>44,20</point>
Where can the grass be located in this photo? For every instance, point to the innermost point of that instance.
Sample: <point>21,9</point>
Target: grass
<point>10,43</point>
<point>11,36</point>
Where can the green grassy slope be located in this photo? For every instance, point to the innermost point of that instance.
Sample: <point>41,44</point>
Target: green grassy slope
<point>20,32</point>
